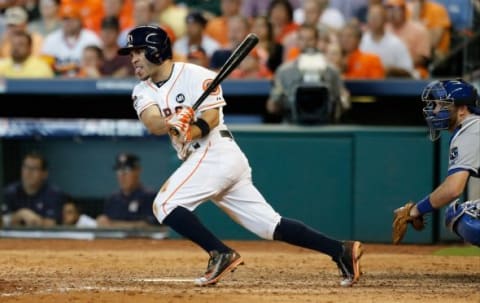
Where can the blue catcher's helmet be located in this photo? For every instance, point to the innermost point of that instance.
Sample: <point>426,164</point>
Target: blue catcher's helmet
<point>445,94</point>
<point>464,220</point>
<point>153,39</point>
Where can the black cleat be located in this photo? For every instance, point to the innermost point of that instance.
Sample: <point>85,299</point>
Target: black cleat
<point>349,262</point>
<point>218,265</point>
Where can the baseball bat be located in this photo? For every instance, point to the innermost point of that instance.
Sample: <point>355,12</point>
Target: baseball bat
<point>238,54</point>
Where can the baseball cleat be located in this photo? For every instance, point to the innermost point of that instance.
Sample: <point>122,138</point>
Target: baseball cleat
<point>349,262</point>
<point>219,264</point>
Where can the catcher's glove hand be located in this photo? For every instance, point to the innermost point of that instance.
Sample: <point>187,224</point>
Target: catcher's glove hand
<point>400,220</point>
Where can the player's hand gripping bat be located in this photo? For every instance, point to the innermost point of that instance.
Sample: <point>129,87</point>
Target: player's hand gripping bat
<point>232,62</point>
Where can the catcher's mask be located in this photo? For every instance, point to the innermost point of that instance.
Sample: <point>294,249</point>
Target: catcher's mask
<point>464,220</point>
<point>153,39</point>
<point>440,96</point>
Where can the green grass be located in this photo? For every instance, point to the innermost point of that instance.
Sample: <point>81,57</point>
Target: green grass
<point>458,251</point>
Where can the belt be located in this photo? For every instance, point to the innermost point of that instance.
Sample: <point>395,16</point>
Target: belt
<point>225,133</point>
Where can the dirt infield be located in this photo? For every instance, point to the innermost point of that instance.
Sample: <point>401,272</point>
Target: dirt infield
<point>138,270</point>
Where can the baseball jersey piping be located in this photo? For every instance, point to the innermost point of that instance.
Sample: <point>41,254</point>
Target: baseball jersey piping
<point>186,179</point>
<point>175,81</point>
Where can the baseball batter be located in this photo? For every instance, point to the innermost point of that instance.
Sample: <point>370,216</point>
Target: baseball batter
<point>452,105</point>
<point>214,168</point>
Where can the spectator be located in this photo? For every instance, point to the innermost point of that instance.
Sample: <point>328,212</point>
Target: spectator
<point>250,68</point>
<point>280,14</point>
<point>270,52</point>
<point>172,15</point>
<point>435,17</point>
<point>91,63</point>
<point>21,63</point>
<point>395,56</point>
<point>131,206</point>
<point>238,29</point>
<point>358,64</point>
<point>49,20</point>
<point>198,56</point>
<point>143,15</point>
<point>217,28</point>
<point>310,68</point>
<point>255,8</point>
<point>195,36</point>
<point>414,34</point>
<point>319,12</point>
<point>64,47</point>
<point>91,12</point>
<point>16,21</point>
<point>120,9</point>
<point>113,65</point>
<point>32,202</point>
<point>72,216</point>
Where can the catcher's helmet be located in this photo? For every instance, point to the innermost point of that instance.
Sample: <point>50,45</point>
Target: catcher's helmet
<point>153,39</point>
<point>447,93</point>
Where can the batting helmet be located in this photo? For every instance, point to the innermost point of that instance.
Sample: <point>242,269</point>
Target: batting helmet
<point>153,39</point>
<point>464,220</point>
<point>447,93</point>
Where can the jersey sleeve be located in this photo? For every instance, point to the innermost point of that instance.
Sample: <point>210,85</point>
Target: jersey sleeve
<point>464,154</point>
<point>200,78</point>
<point>141,100</point>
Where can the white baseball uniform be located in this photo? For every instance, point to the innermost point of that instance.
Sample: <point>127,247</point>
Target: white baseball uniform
<point>216,169</point>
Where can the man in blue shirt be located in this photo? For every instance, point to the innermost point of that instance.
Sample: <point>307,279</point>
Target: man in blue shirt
<point>32,201</point>
<point>131,206</point>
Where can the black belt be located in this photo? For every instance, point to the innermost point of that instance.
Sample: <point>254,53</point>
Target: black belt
<point>223,133</point>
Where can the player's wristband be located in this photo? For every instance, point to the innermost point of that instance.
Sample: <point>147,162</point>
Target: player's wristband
<point>203,125</point>
<point>425,206</point>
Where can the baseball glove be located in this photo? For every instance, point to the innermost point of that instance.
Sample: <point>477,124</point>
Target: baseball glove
<point>401,219</point>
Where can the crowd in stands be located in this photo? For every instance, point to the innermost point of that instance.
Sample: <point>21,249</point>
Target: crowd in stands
<point>361,38</point>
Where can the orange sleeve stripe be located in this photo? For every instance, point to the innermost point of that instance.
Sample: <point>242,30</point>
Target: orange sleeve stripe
<point>186,179</point>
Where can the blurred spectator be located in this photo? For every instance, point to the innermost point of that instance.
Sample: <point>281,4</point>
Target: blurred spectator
<point>113,64</point>
<point>250,68</point>
<point>198,56</point>
<point>395,56</point>
<point>238,29</point>
<point>309,69</point>
<point>414,34</point>
<point>131,206</point>
<point>31,7</point>
<point>256,8</point>
<point>334,56</point>
<point>172,15</point>
<point>280,14</point>
<point>72,216</point>
<point>361,12</point>
<point>348,8</point>
<point>32,201</point>
<point>16,21</point>
<point>217,28</point>
<point>195,36</point>
<point>120,9</point>
<point>318,12</point>
<point>64,47</point>
<point>91,12</point>
<point>49,20</point>
<point>91,63</point>
<point>435,17</point>
<point>269,51</point>
<point>21,63</point>
<point>143,15</point>
<point>358,64</point>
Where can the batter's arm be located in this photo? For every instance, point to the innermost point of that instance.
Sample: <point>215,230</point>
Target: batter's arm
<point>211,116</point>
<point>154,121</point>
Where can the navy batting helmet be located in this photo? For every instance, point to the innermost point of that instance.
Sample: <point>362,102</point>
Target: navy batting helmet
<point>447,93</point>
<point>153,39</point>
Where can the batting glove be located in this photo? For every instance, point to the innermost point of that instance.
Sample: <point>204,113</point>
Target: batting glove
<point>180,125</point>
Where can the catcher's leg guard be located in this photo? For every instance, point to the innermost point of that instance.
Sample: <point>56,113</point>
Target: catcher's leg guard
<point>464,220</point>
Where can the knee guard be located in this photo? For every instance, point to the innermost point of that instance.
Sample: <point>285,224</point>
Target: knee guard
<point>464,220</point>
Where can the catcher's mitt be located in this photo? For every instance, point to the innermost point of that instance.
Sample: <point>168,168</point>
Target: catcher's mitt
<point>401,219</point>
